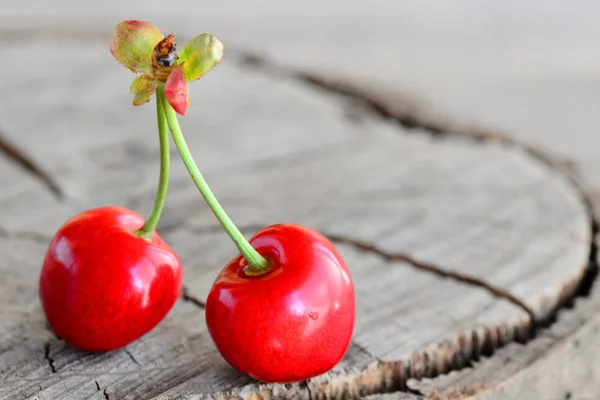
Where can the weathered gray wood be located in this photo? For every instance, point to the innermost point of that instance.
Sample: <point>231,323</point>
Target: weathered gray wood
<point>561,363</point>
<point>524,66</point>
<point>550,369</point>
<point>391,396</point>
<point>364,182</point>
<point>493,260</point>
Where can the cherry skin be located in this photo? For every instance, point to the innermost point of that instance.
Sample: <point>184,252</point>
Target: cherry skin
<point>291,323</point>
<point>101,285</point>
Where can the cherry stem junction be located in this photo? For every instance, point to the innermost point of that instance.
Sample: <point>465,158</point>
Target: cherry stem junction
<point>163,182</point>
<point>256,261</point>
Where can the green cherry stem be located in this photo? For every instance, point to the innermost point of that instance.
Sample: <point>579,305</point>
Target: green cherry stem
<point>257,263</point>
<point>163,181</point>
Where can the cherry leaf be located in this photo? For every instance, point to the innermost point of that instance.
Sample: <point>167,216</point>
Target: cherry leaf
<point>143,96</point>
<point>133,42</point>
<point>176,90</point>
<point>200,55</point>
<point>140,83</point>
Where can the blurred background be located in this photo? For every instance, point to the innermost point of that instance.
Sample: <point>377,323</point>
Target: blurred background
<point>528,68</point>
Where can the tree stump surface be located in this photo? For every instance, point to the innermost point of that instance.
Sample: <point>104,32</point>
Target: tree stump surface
<point>464,252</point>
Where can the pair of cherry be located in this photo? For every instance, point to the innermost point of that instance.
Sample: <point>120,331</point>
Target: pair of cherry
<point>283,310</point>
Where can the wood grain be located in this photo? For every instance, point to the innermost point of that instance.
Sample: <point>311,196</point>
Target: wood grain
<point>559,364</point>
<point>526,67</point>
<point>273,150</point>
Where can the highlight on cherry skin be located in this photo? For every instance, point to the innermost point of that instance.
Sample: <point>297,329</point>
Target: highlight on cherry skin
<point>103,286</point>
<point>292,321</point>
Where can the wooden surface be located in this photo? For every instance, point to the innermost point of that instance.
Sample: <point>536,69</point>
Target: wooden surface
<point>453,243</point>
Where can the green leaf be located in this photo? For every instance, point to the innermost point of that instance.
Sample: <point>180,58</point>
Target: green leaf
<point>200,55</point>
<point>140,83</point>
<point>143,93</point>
<point>133,42</point>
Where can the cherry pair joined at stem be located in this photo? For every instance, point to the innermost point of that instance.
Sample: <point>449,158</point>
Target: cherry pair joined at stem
<point>281,311</point>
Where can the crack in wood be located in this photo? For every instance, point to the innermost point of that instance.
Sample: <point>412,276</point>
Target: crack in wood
<point>187,297</point>
<point>455,394</point>
<point>98,388</point>
<point>303,386</point>
<point>583,288</point>
<point>388,256</point>
<point>451,355</point>
<point>48,358</point>
<point>483,341</point>
<point>19,157</point>
<point>407,115</point>
<point>393,376</point>
<point>310,393</point>
<point>433,269</point>
<point>568,395</point>
<point>412,117</point>
<point>454,354</point>
<point>49,329</point>
<point>133,358</point>
<point>413,391</point>
<point>364,350</point>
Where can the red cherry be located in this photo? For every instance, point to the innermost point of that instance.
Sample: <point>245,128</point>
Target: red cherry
<point>101,285</point>
<point>291,323</point>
